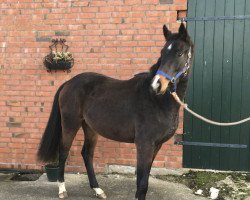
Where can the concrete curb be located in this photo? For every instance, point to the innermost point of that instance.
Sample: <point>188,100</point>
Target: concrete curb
<point>124,169</point>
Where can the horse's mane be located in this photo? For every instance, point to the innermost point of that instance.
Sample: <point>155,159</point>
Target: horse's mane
<point>144,77</point>
<point>155,67</point>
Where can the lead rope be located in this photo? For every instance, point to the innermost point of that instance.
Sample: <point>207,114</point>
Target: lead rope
<point>185,106</point>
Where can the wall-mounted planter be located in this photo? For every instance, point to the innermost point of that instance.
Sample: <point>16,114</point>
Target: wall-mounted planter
<point>59,58</point>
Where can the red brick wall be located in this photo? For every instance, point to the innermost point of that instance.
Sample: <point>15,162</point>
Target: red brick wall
<point>115,37</point>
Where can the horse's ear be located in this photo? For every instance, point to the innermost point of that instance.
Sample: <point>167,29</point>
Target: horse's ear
<point>183,31</point>
<point>166,32</point>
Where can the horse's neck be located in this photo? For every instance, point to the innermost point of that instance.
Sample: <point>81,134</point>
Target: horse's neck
<point>182,88</point>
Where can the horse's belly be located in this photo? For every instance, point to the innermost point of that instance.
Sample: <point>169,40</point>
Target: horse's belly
<point>111,125</point>
<point>111,113</point>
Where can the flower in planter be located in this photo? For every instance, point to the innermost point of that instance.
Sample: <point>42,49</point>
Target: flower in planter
<point>61,56</point>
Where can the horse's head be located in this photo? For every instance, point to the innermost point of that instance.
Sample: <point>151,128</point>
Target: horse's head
<point>175,59</point>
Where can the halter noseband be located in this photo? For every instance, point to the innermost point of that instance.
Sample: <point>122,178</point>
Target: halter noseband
<point>173,79</point>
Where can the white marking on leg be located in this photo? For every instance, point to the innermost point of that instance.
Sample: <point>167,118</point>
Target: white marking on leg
<point>100,193</point>
<point>62,188</point>
<point>155,83</point>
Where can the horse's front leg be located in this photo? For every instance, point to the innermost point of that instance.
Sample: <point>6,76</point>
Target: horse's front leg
<point>145,154</point>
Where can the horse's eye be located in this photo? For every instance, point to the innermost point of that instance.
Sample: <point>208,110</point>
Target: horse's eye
<point>180,54</point>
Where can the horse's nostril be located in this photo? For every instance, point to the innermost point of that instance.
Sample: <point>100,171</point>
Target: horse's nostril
<point>157,90</point>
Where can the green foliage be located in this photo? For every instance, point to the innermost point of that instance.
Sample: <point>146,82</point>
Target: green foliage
<point>61,56</point>
<point>195,180</point>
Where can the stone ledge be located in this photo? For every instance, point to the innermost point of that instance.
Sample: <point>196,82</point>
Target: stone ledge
<point>124,169</point>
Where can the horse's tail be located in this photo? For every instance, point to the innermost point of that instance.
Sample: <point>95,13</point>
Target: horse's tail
<point>49,146</point>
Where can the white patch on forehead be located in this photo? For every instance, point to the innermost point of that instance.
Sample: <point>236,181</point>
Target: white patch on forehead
<point>170,46</point>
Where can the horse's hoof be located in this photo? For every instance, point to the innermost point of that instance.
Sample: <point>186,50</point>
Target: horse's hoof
<point>102,196</point>
<point>63,195</point>
<point>100,193</point>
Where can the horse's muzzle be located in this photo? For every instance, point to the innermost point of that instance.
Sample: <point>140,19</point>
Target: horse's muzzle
<point>159,84</point>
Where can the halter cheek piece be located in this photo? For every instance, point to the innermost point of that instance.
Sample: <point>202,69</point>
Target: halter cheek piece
<point>183,72</point>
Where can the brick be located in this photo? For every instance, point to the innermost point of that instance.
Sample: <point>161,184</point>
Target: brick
<point>137,14</point>
<point>86,15</point>
<point>13,103</point>
<point>16,145</point>
<point>132,2</point>
<point>4,150</point>
<point>62,33</point>
<point>13,124</point>
<point>80,3</point>
<point>150,2</point>
<point>20,135</point>
<point>155,13</point>
<point>4,140</point>
<point>111,32</point>
<point>166,1</point>
<point>103,15</point>
<point>120,14</point>
<point>107,9</point>
<point>43,38</point>
<point>181,14</point>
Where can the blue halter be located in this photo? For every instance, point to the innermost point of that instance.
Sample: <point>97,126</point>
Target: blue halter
<point>184,71</point>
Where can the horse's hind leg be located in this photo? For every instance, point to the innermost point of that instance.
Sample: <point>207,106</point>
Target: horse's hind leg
<point>90,141</point>
<point>69,130</point>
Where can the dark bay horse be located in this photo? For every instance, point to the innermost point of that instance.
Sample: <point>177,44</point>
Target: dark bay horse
<point>140,110</point>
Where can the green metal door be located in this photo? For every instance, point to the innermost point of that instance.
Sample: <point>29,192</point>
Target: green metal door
<point>220,84</point>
